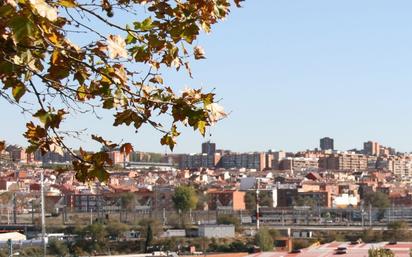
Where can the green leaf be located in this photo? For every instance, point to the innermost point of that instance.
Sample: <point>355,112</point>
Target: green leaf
<point>22,28</point>
<point>130,39</point>
<point>145,25</point>
<point>6,67</point>
<point>43,116</point>
<point>18,91</point>
<point>5,10</point>
<point>168,140</point>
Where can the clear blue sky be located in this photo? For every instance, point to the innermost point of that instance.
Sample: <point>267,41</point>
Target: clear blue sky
<point>293,71</point>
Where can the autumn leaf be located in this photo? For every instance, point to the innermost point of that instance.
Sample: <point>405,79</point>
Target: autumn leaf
<point>215,112</point>
<point>157,79</point>
<point>116,46</point>
<point>115,72</point>
<point>104,142</point>
<point>22,28</point>
<point>237,2</point>
<point>12,3</point>
<point>49,118</point>
<point>68,3</point>
<point>18,91</point>
<point>126,148</point>
<point>44,10</point>
<point>2,145</point>
<point>55,148</point>
<point>199,53</point>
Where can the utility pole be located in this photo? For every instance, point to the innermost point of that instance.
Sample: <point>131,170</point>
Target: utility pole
<point>43,219</point>
<point>91,216</point>
<point>164,217</point>
<point>14,209</point>
<point>32,211</point>
<point>10,246</point>
<point>370,215</point>
<point>257,204</point>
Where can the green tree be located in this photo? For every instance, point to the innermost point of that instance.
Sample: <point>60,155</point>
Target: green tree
<point>300,244</point>
<point>377,200</point>
<point>228,219</point>
<point>149,238</point>
<point>397,230</point>
<point>305,201</point>
<point>58,248</point>
<point>184,198</point>
<point>115,230</point>
<point>250,200</point>
<point>51,73</point>
<point>265,199</point>
<point>264,240</point>
<point>274,233</point>
<point>155,225</point>
<point>93,238</point>
<point>380,252</point>
<point>127,202</point>
<point>369,236</point>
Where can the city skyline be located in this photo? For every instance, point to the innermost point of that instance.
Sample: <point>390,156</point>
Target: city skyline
<point>335,71</point>
<point>203,148</point>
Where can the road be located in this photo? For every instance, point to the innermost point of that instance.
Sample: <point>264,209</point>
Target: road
<point>328,228</point>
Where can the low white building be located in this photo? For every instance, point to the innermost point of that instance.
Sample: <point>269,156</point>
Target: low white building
<point>216,231</point>
<point>14,236</point>
<point>344,201</point>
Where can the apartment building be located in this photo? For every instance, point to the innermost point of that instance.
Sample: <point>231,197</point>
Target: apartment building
<point>196,161</point>
<point>299,164</point>
<point>344,161</point>
<point>255,160</point>
<point>371,148</point>
<point>326,143</point>
<point>399,165</point>
<point>118,158</point>
<point>226,199</point>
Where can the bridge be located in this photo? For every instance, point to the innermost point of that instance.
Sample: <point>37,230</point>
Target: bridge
<point>21,227</point>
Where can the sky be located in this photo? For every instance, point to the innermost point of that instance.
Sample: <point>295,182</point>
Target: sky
<point>289,72</point>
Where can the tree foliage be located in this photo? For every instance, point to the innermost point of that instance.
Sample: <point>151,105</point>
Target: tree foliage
<point>265,199</point>
<point>93,237</point>
<point>264,240</point>
<point>58,248</point>
<point>378,200</point>
<point>228,219</point>
<point>397,230</point>
<point>380,252</point>
<point>127,201</point>
<point>63,57</point>
<point>184,198</point>
<point>149,237</point>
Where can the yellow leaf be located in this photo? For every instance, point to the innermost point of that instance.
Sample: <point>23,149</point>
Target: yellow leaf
<point>68,3</point>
